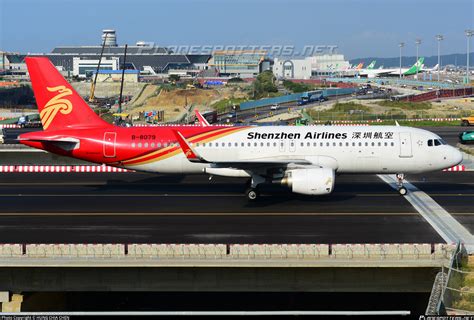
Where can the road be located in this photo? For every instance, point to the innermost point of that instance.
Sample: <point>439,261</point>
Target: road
<point>152,208</point>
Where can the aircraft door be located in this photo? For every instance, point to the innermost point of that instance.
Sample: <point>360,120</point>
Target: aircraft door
<point>109,144</point>
<point>405,145</point>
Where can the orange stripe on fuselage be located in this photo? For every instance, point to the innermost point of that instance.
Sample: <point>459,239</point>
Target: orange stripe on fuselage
<point>167,152</point>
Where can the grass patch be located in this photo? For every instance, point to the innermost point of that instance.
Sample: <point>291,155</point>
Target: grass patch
<point>348,107</point>
<point>225,105</point>
<point>405,105</point>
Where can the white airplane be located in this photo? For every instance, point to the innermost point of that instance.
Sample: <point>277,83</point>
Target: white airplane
<point>381,72</point>
<point>306,159</point>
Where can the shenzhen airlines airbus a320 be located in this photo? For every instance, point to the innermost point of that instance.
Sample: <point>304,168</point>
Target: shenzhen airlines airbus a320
<point>306,159</point>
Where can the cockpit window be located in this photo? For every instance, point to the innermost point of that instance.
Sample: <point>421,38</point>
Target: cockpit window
<point>436,142</point>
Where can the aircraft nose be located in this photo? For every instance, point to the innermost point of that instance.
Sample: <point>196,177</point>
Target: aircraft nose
<point>455,156</point>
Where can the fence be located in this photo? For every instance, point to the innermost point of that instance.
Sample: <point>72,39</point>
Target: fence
<point>458,293</point>
<point>390,252</point>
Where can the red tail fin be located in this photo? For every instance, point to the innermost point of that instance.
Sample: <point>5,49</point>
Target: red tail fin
<point>59,104</point>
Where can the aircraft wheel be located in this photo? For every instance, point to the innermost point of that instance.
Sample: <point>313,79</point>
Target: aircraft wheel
<point>403,191</point>
<point>252,194</point>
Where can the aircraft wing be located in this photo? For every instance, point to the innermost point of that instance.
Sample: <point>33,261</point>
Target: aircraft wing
<point>65,143</point>
<point>193,156</point>
<point>202,121</point>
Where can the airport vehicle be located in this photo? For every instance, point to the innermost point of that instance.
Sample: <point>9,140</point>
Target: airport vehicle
<point>467,121</point>
<point>274,107</point>
<point>304,158</point>
<point>466,137</point>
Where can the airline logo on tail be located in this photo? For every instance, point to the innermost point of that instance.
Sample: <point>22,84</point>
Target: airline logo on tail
<point>359,66</point>
<point>416,67</point>
<point>371,65</point>
<point>56,104</point>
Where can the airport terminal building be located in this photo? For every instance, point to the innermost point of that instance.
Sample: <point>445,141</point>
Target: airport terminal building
<point>81,61</point>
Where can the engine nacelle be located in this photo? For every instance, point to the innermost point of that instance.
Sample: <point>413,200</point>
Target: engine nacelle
<point>314,181</point>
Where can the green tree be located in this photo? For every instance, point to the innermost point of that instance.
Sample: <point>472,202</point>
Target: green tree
<point>264,84</point>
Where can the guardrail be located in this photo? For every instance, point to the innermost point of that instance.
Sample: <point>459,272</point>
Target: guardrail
<point>402,251</point>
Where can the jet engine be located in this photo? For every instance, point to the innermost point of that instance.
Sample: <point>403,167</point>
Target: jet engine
<point>313,181</point>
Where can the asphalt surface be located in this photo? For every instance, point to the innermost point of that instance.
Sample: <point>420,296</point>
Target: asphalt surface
<point>145,208</point>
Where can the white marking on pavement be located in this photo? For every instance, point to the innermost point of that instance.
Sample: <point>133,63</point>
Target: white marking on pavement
<point>444,223</point>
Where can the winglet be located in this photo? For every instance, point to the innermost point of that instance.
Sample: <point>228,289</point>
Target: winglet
<point>202,121</point>
<point>396,123</point>
<point>188,151</point>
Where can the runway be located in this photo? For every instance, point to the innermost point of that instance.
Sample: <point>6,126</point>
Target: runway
<point>144,208</point>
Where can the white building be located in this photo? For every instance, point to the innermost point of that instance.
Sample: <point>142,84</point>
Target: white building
<point>292,68</point>
<point>85,67</point>
<point>319,65</point>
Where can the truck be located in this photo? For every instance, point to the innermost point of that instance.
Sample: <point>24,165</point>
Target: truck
<point>313,96</point>
<point>467,121</point>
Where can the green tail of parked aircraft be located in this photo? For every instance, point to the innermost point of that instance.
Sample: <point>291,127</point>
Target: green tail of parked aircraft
<point>415,68</point>
<point>371,65</point>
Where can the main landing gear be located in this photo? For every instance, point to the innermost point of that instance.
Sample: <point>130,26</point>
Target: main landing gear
<point>401,189</point>
<point>252,192</point>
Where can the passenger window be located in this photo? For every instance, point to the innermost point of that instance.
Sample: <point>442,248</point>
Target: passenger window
<point>236,144</point>
<point>268,144</point>
<point>340,144</point>
<point>327,144</point>
<point>146,145</point>
<point>139,144</point>
<point>315,144</point>
<point>248,144</point>
<point>254,144</point>
<point>302,144</point>
<point>274,144</point>
<point>223,144</point>
<point>261,144</point>
<point>158,144</point>
<point>360,144</point>
<point>366,144</point>
<point>165,144</point>
<point>152,144</point>
<point>347,144</point>
<point>380,144</point>
<point>430,143</point>
<point>242,144</point>
<point>353,144</point>
<point>392,144</point>
<point>385,144</point>
<point>133,144</point>
<point>230,144</point>
<point>333,144</point>
<point>321,144</point>
<point>210,144</point>
<point>373,144</point>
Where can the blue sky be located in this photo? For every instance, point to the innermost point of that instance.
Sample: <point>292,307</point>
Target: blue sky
<point>358,27</point>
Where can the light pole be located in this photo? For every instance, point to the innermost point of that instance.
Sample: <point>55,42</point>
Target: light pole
<point>401,45</point>
<point>469,34</point>
<point>440,38</point>
<point>417,42</point>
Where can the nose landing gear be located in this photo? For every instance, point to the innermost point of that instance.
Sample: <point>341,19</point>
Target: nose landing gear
<point>401,189</point>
